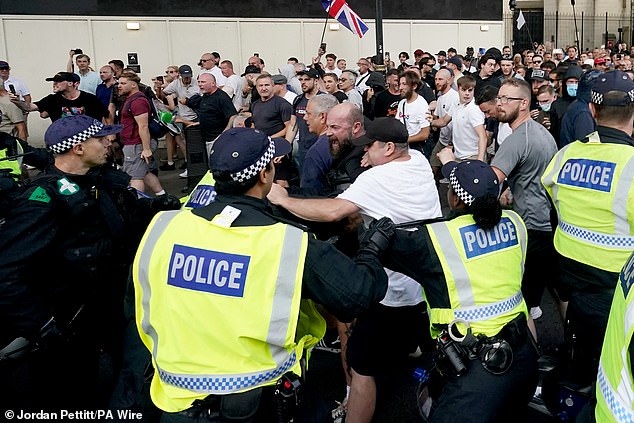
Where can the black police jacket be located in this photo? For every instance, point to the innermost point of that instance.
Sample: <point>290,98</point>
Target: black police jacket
<point>67,242</point>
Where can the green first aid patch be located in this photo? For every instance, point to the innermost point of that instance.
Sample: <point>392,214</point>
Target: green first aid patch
<point>40,194</point>
<point>66,187</point>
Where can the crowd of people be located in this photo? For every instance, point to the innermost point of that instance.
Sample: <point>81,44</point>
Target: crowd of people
<point>321,214</point>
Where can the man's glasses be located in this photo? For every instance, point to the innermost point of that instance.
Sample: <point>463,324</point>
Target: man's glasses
<point>505,100</point>
<point>170,71</point>
<point>205,60</point>
<point>343,79</point>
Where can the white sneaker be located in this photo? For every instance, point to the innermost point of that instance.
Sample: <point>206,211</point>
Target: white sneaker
<point>536,312</point>
<point>183,175</point>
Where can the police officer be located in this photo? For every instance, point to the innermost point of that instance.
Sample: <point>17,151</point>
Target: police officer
<point>614,387</point>
<point>13,153</point>
<point>470,267</point>
<point>65,250</point>
<point>223,293</point>
<point>590,183</point>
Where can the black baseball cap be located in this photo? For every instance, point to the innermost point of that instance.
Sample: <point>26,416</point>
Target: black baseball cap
<point>64,76</point>
<point>185,70</point>
<point>244,152</point>
<point>309,72</point>
<point>539,75</point>
<point>384,129</point>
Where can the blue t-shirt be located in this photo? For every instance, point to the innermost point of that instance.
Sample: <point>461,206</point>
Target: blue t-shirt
<point>317,163</point>
<point>103,93</point>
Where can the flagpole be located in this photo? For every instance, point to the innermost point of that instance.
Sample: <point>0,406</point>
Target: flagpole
<point>379,32</point>
<point>323,33</point>
<point>524,24</point>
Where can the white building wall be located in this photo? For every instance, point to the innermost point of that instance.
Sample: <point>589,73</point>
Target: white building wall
<point>37,46</point>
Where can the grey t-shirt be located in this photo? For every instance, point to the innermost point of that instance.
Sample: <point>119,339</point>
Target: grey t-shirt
<point>523,157</point>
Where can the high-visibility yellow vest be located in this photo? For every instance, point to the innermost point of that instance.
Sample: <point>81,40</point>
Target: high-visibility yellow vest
<point>590,184</point>
<point>483,271</point>
<point>15,165</point>
<point>615,388</point>
<point>220,307</point>
<point>202,195</point>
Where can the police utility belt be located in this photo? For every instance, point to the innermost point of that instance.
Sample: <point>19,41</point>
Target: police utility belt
<point>279,403</point>
<point>495,353</point>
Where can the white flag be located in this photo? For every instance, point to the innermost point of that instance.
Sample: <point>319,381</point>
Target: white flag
<point>520,20</point>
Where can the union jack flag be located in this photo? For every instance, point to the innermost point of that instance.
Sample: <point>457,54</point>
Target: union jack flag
<point>340,10</point>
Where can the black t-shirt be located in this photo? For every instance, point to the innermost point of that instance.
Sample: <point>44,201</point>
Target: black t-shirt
<point>386,104</point>
<point>214,111</point>
<point>340,96</point>
<point>86,104</point>
<point>269,116</point>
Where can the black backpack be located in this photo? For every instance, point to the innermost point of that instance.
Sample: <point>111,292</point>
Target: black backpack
<point>157,127</point>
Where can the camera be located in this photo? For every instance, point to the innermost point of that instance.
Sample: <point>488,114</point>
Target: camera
<point>78,51</point>
<point>452,353</point>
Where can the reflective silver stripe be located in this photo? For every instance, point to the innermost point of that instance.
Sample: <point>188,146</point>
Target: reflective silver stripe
<point>278,325</point>
<point>161,223</point>
<point>284,290</point>
<point>549,180</point>
<point>521,229</point>
<point>456,265</point>
<point>621,196</point>
<point>621,412</point>
<point>487,311</point>
<point>617,242</point>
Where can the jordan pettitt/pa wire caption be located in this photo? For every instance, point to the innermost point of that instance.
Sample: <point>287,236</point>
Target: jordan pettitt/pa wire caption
<point>66,415</point>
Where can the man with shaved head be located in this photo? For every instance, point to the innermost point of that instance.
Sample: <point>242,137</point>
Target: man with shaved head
<point>448,100</point>
<point>213,106</point>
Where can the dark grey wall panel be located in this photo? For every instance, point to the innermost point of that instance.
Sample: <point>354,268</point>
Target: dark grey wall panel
<point>392,9</point>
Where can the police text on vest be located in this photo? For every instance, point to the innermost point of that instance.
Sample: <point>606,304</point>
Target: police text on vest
<point>202,195</point>
<point>477,241</point>
<point>208,271</point>
<point>585,173</point>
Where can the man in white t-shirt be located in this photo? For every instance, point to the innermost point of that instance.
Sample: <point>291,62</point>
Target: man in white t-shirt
<point>331,65</point>
<point>448,100</point>
<point>208,65</point>
<point>400,185</point>
<point>413,109</point>
<point>364,74</point>
<point>233,86</point>
<point>469,136</point>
